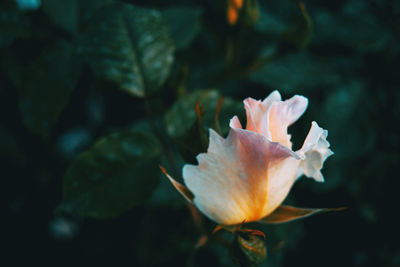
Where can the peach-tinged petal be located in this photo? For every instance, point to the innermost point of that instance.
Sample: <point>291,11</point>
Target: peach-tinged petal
<point>272,116</point>
<point>272,97</point>
<point>257,113</point>
<point>282,114</point>
<point>314,152</point>
<point>253,114</point>
<point>216,142</point>
<point>230,182</point>
<point>282,176</point>
<point>235,123</point>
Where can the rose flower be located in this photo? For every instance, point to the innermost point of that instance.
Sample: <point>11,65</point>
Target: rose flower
<point>247,176</point>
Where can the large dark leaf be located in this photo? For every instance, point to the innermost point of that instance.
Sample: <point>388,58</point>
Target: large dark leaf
<point>129,45</point>
<point>64,14</point>
<point>184,24</point>
<point>13,24</point>
<point>71,14</point>
<point>118,173</point>
<point>88,7</point>
<point>47,86</point>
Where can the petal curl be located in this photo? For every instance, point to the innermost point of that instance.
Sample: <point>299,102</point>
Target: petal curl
<point>272,116</point>
<point>230,184</point>
<point>314,152</point>
<point>235,123</point>
<point>283,114</point>
<point>257,113</point>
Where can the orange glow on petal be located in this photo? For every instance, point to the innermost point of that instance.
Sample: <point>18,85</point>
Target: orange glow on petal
<point>230,184</point>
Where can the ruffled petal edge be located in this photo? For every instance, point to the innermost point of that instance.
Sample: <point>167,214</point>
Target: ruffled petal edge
<point>314,152</point>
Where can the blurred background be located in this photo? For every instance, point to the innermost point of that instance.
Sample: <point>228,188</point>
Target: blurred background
<point>95,94</point>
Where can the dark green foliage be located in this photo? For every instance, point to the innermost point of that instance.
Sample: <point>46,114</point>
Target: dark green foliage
<point>96,94</point>
<point>118,173</point>
<point>129,45</point>
<point>45,89</point>
<point>184,24</point>
<point>13,24</point>
<point>9,146</point>
<point>64,14</point>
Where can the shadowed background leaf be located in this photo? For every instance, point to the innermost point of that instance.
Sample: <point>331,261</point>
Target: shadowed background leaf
<point>64,14</point>
<point>117,174</point>
<point>13,24</point>
<point>184,24</point>
<point>46,88</point>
